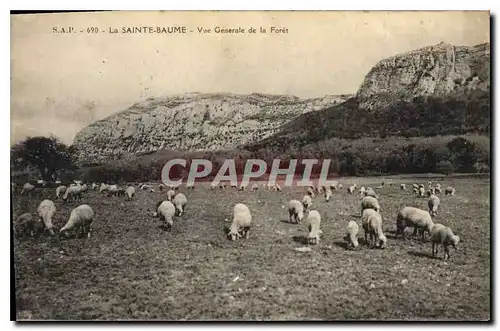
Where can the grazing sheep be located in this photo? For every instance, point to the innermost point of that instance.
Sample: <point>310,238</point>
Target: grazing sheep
<point>413,217</point>
<point>213,186</point>
<point>145,187</point>
<point>314,222</point>
<point>310,191</point>
<point>94,186</point>
<point>443,235</point>
<point>362,190</point>
<point>113,190</point>
<point>130,191</point>
<point>170,195</point>
<point>242,220</point>
<point>28,188</point>
<point>370,202</point>
<point>295,211</point>
<point>369,192</point>
<point>46,211</point>
<point>372,226</point>
<point>334,186</point>
<point>403,187</point>
<point>180,202</point>
<point>328,194</point>
<point>72,193</point>
<point>255,187</point>
<point>437,188</point>
<point>415,186</point>
<point>306,202</point>
<point>80,217</point>
<point>415,190</point>
<point>277,187</point>
<point>351,189</point>
<point>421,186</point>
<point>320,189</point>
<point>449,190</point>
<point>243,187</point>
<point>166,210</point>
<point>60,190</point>
<point>421,191</point>
<point>433,204</point>
<point>28,225</point>
<point>352,234</point>
<point>340,186</point>
<point>104,188</point>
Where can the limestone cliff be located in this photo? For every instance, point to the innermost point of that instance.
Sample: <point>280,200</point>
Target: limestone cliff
<point>192,121</point>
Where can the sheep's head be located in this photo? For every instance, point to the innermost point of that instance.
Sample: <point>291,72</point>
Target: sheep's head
<point>454,241</point>
<point>383,241</point>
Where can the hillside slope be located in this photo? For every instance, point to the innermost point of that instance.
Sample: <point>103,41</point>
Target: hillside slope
<point>192,121</point>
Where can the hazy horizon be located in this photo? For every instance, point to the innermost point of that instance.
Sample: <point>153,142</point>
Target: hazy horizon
<point>61,83</point>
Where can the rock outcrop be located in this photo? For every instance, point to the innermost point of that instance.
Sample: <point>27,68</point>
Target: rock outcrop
<point>437,70</point>
<point>192,121</point>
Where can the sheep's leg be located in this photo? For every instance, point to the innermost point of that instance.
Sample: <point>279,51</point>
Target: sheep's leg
<point>415,232</point>
<point>366,239</point>
<point>423,235</point>
<point>433,249</point>
<point>446,252</point>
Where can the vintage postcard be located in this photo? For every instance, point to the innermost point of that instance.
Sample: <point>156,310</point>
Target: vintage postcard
<point>251,165</point>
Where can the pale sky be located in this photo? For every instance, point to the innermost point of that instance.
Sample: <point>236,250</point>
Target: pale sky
<point>60,83</point>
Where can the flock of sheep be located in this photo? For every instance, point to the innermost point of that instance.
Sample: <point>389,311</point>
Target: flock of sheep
<point>420,220</point>
<point>371,219</point>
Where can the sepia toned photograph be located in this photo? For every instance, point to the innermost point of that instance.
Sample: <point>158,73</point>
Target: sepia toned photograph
<point>251,166</point>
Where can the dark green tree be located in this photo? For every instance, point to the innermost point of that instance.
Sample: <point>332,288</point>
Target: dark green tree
<point>48,154</point>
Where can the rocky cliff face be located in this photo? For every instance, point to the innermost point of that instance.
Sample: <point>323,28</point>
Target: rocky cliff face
<point>192,122</point>
<point>437,70</point>
<point>436,90</point>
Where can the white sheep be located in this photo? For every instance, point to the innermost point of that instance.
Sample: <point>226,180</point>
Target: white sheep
<point>370,202</point>
<point>170,195</point>
<point>28,188</point>
<point>103,188</point>
<point>340,186</point>
<point>130,191</point>
<point>243,187</point>
<point>180,202</point>
<point>80,217</point>
<point>295,211</point>
<point>242,220</point>
<point>277,187</point>
<point>352,234</point>
<point>369,192</point>
<point>372,226</point>
<point>113,190</point>
<point>94,186</point>
<point>415,186</point>
<point>255,187</point>
<point>60,190</point>
<point>165,210</point>
<point>443,235</point>
<point>314,222</point>
<point>351,189</point>
<point>449,190</point>
<point>415,191</point>
<point>437,188</point>
<point>145,187</point>
<point>421,191</point>
<point>310,191</point>
<point>46,210</point>
<point>433,204</point>
<point>328,194</point>
<point>306,202</point>
<point>362,190</point>
<point>320,189</point>
<point>334,185</point>
<point>403,187</point>
<point>213,186</point>
<point>421,186</point>
<point>413,217</point>
<point>72,193</point>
